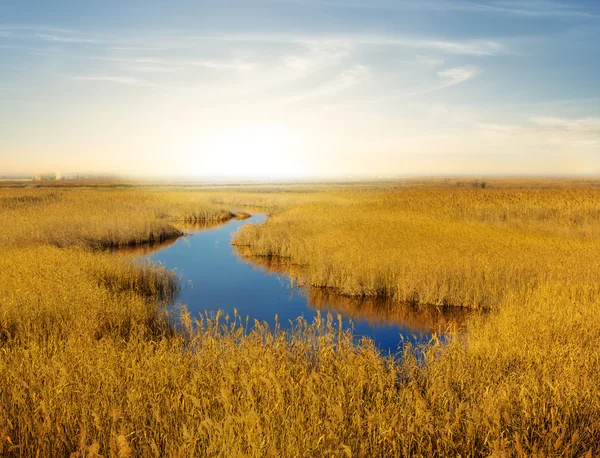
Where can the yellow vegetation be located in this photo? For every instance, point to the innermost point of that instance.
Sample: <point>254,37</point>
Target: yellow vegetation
<point>438,245</point>
<point>90,364</point>
<point>98,218</point>
<point>415,317</point>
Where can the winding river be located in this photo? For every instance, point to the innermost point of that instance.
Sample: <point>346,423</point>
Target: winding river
<point>214,277</point>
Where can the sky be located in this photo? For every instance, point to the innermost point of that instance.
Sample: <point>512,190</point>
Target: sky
<point>295,89</point>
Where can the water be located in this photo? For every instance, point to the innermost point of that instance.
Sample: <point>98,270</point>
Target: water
<point>214,277</point>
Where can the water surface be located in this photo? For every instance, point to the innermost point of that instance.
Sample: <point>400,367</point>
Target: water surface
<point>213,277</point>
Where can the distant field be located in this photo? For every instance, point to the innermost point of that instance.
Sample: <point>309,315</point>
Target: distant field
<point>91,365</point>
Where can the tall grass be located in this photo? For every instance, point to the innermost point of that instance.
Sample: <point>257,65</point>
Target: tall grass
<point>91,366</point>
<point>444,246</point>
<point>98,218</point>
<point>374,310</point>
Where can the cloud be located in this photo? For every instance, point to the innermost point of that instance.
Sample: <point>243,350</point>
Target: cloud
<point>9,27</point>
<point>143,64</point>
<point>133,60</point>
<point>111,79</point>
<point>64,39</point>
<point>350,41</point>
<point>585,126</point>
<point>290,74</point>
<point>457,75</point>
<point>533,8</point>
<point>475,48</point>
<point>447,78</point>
<point>119,79</point>
<point>468,47</point>
<point>430,61</point>
<point>589,125</point>
<point>299,67</point>
<point>537,8</point>
<point>223,65</point>
<point>546,133</point>
<point>498,129</point>
<point>157,65</point>
<point>346,79</point>
<point>317,56</point>
<point>153,69</point>
<point>138,48</point>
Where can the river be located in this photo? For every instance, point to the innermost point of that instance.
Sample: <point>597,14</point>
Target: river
<point>214,277</point>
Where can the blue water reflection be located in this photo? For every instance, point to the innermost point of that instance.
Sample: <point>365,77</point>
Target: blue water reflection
<point>213,277</point>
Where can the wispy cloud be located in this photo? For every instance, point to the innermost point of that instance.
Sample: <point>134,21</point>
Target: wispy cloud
<point>65,39</point>
<point>153,69</point>
<point>34,28</point>
<point>447,78</point>
<point>534,8</point>
<point>467,47</point>
<point>328,66</point>
<point>340,43</point>
<point>121,79</point>
<point>472,47</point>
<point>538,8</point>
<point>143,64</point>
<point>430,61</point>
<point>345,80</point>
<point>569,132</point>
<point>166,64</point>
<point>138,48</point>
<point>132,60</point>
<point>590,125</point>
<point>110,79</point>
<point>222,65</point>
<point>317,55</point>
<point>457,75</point>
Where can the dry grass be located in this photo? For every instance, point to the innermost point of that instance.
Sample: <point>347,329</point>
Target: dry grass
<point>444,246</point>
<point>521,381</point>
<point>99,218</point>
<point>90,365</point>
<point>373,310</point>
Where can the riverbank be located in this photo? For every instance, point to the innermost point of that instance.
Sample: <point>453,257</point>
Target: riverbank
<point>213,278</point>
<point>446,246</point>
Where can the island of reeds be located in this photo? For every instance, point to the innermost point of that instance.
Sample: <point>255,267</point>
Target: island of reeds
<point>93,362</point>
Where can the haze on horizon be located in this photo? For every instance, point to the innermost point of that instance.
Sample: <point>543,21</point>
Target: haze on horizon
<point>300,88</point>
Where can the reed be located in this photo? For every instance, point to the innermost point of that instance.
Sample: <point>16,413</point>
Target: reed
<point>100,218</point>
<point>91,364</point>
<point>438,245</point>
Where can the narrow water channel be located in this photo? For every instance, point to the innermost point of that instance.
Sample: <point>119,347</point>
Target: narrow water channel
<point>213,277</point>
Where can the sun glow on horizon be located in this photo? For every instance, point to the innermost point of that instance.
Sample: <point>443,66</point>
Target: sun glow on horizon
<point>255,150</point>
<point>294,89</point>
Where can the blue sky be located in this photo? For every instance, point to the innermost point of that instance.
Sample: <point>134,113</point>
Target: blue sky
<point>300,88</point>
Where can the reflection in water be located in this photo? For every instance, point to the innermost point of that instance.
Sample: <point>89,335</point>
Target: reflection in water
<point>144,249</point>
<point>375,311</point>
<point>190,228</point>
<point>420,319</point>
<point>214,276</point>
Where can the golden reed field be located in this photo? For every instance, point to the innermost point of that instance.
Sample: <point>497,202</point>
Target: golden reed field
<point>91,363</point>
